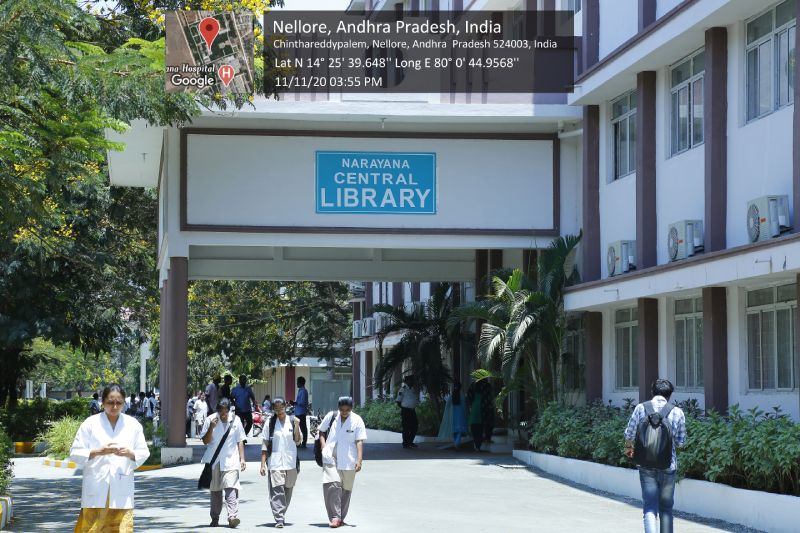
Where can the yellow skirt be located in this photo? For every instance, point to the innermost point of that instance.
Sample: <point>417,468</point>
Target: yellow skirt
<point>105,520</point>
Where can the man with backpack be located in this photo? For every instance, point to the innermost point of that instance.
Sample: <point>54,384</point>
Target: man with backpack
<point>656,428</point>
<point>94,406</point>
<point>279,457</point>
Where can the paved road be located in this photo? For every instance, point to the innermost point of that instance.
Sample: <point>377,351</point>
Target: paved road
<point>399,491</point>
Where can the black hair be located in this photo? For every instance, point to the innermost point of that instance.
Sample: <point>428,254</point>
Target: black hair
<point>278,399</point>
<point>95,396</point>
<point>243,377</point>
<point>301,380</point>
<point>345,400</point>
<point>663,387</point>
<point>224,403</point>
<point>228,377</point>
<point>112,388</point>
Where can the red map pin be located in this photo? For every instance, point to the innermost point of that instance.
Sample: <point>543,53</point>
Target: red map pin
<point>209,28</point>
<point>226,74</point>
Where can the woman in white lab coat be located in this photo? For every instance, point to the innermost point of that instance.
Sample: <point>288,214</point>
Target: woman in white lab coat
<point>110,446</point>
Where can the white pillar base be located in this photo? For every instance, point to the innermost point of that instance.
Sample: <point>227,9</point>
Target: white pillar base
<point>176,456</point>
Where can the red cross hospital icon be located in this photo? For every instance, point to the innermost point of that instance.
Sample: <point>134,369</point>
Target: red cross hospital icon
<point>226,74</point>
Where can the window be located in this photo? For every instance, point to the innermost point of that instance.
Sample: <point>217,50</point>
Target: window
<point>572,5</point>
<point>574,359</point>
<point>686,96</point>
<point>689,343</point>
<point>623,124</point>
<point>771,316</point>
<point>627,357</point>
<point>770,60</point>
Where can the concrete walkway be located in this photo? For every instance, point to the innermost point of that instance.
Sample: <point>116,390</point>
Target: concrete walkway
<point>414,491</point>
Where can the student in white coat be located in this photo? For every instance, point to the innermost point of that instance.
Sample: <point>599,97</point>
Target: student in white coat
<point>342,454</point>
<point>228,464</point>
<point>110,446</point>
<point>279,457</point>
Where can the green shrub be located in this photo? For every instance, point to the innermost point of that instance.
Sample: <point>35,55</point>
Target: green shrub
<point>31,418</point>
<point>59,437</point>
<point>385,415</point>
<point>752,450</point>
<point>6,466</point>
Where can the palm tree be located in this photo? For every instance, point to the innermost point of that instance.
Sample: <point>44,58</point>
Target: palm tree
<point>425,342</point>
<point>522,319</point>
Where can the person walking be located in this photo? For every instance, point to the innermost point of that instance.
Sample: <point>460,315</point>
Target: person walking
<point>225,390</point>
<point>479,402</point>
<point>408,399</point>
<point>279,457</point>
<point>301,408</point>
<point>459,416</point>
<point>244,400</point>
<point>266,405</point>
<point>130,405</point>
<point>109,445</point>
<point>190,414</point>
<point>226,429</point>
<point>342,456</point>
<point>141,408</point>
<point>655,430</point>
<point>200,413</point>
<point>94,405</point>
<point>150,407</point>
<point>212,394</point>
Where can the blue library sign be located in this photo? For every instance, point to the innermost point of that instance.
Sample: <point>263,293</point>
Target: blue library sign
<point>397,183</point>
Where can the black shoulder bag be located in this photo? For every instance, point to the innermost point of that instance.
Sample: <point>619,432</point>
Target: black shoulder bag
<point>205,478</point>
<point>318,443</point>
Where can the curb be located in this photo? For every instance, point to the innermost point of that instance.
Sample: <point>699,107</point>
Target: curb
<point>147,468</point>
<point>6,511</point>
<point>59,464</point>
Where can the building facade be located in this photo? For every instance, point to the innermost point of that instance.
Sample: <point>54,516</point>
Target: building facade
<point>690,185</point>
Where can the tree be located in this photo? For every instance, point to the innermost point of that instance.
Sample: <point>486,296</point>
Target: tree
<point>424,343</point>
<point>246,326</point>
<point>522,324</point>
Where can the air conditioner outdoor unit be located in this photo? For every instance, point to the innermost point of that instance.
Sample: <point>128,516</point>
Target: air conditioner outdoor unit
<point>621,257</point>
<point>767,217</point>
<point>382,321</point>
<point>357,329</point>
<point>368,327</point>
<point>684,239</point>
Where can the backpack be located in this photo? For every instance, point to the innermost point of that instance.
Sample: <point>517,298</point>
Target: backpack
<point>271,432</point>
<point>94,407</point>
<point>653,444</point>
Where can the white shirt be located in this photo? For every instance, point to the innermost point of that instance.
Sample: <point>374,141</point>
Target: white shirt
<point>200,410</point>
<point>108,476</point>
<point>284,449</point>
<point>408,397</point>
<point>228,457</point>
<point>342,438</point>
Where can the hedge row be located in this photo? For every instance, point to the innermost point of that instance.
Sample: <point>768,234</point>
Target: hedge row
<point>6,467</point>
<point>385,415</point>
<point>31,418</point>
<point>746,449</point>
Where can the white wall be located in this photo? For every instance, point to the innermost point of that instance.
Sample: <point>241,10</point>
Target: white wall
<point>619,21</point>
<point>244,180</point>
<point>759,153</point>
<point>665,6</point>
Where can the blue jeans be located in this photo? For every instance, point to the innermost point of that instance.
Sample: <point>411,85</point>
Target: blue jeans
<point>658,490</point>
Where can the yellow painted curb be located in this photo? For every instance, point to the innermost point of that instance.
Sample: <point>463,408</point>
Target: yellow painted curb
<point>23,447</point>
<point>145,468</point>
<point>6,511</point>
<point>60,464</point>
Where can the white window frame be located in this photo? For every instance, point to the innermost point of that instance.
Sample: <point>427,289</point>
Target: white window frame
<point>695,315</point>
<point>772,38</point>
<point>630,118</point>
<point>687,84</point>
<point>774,307</point>
<point>632,354</point>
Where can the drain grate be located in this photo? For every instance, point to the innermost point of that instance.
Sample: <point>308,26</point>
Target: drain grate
<point>512,466</point>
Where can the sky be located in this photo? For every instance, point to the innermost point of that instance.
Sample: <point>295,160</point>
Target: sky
<point>316,5</point>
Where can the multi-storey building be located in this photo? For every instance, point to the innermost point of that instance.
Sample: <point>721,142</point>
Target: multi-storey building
<point>690,186</point>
